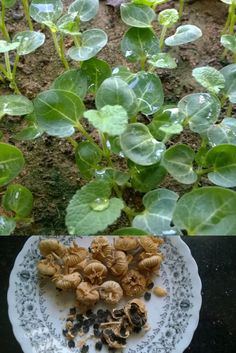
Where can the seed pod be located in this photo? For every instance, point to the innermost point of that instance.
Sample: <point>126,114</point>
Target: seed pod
<point>133,283</point>
<point>136,312</point>
<point>66,282</point>
<point>102,250</point>
<point>112,336</point>
<point>150,264</point>
<point>111,292</point>
<point>87,295</point>
<point>48,267</point>
<point>120,264</point>
<point>96,272</point>
<point>148,244</point>
<point>159,291</point>
<point>126,243</point>
<point>48,246</point>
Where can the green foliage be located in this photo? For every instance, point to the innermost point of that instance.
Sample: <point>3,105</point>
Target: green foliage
<point>15,105</point>
<point>7,225</point>
<point>222,133</point>
<point>19,200</point>
<point>139,145</point>
<point>96,71</point>
<point>9,3</point>
<point>229,42</point>
<point>168,17</point>
<point>184,34</point>
<point>159,207</point>
<point>140,16</point>
<point>207,211</point>
<point>11,163</point>
<point>58,111</point>
<point>6,46</point>
<point>109,119</point>
<point>162,61</point>
<point>28,41</point>
<point>209,78</point>
<point>74,81</point>
<point>229,73</point>
<point>139,43</point>
<point>146,178</point>
<point>87,157</point>
<point>85,9</point>
<point>91,209</point>
<point>46,11</point>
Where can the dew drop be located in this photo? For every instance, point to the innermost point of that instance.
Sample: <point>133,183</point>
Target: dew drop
<point>99,204</point>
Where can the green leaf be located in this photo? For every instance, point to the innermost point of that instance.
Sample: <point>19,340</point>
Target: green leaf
<point>111,119</point>
<point>138,43</point>
<point>9,3</point>
<point>15,105</point>
<point>7,225</point>
<point>168,17</point>
<point>58,111</point>
<point>159,207</point>
<point>68,25</point>
<point>91,209</point>
<point>114,91</point>
<point>146,178</point>
<point>74,81</point>
<point>229,73</point>
<point>11,163</point>
<point>46,11</point>
<point>229,2</point>
<point>18,199</point>
<point>96,71</point>
<point>222,160</point>
<point>140,146</point>
<point>209,78</point>
<point>162,61</point>
<point>84,9</point>
<point>29,133</point>
<point>6,46</point>
<point>123,73</point>
<point>184,34</point>
<point>222,133</point>
<point>229,42</point>
<point>112,176</point>
<point>201,110</point>
<point>28,41</point>
<point>91,42</point>
<point>129,231</point>
<point>137,15</point>
<point>178,161</point>
<point>207,211</point>
<point>87,157</point>
<point>149,92</point>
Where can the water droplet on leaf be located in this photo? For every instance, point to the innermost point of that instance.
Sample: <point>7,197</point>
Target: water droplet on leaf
<point>99,204</point>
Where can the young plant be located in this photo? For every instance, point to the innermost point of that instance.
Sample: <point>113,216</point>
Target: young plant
<point>229,25</point>
<point>181,8</point>
<point>229,42</point>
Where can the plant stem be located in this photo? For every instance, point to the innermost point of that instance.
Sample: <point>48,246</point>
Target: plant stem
<point>133,119</point>
<point>76,40</point>
<point>106,151</point>
<point>3,25</point>
<point>8,66</point>
<point>27,14</point>
<point>2,69</point>
<point>72,141</point>
<point>88,137</point>
<point>162,37</point>
<point>181,8</point>
<point>234,58</point>
<point>17,58</point>
<point>232,18</point>
<point>58,50</point>
<point>224,54</point>
<point>229,110</point>
<point>142,63</point>
<point>62,48</point>
<point>228,20</point>
<point>223,100</point>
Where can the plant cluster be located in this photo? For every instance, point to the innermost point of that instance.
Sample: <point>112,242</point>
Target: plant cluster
<point>133,123</point>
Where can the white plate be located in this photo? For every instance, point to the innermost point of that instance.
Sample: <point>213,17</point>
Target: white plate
<point>38,311</point>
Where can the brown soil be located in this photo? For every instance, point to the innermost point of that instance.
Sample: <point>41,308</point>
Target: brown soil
<point>50,171</point>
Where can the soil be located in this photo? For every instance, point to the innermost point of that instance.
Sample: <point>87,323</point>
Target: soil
<point>50,171</point>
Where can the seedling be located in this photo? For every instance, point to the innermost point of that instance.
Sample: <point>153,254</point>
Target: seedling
<point>229,26</point>
<point>181,8</point>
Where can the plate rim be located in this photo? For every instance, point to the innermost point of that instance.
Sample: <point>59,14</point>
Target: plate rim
<point>188,335</point>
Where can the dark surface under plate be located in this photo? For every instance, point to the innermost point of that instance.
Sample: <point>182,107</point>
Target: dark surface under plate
<point>216,259</point>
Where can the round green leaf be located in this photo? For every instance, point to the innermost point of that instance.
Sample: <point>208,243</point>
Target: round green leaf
<point>146,178</point>
<point>112,176</point>
<point>29,133</point>
<point>159,207</point>
<point>137,15</point>
<point>168,17</point>
<point>11,163</point>
<point>222,133</point>
<point>18,199</point>
<point>229,42</point>
<point>222,160</point>
<point>91,42</point>
<point>74,81</point>
<point>139,145</point>
<point>68,25</point>
<point>184,34</point>
<point>201,110</point>
<point>46,11</point>
<point>9,3</point>
<point>138,43</point>
<point>96,71</point>
<point>15,105</point>
<point>111,119</point>
<point>207,211</point>
<point>7,225</point>
<point>229,73</point>
<point>178,161</point>
<point>58,111</point>
<point>114,91</point>
<point>92,210</point>
<point>84,9</point>
<point>6,46</point>
<point>149,92</point>
<point>129,231</point>
<point>209,78</point>
<point>28,41</point>
<point>123,73</point>
<point>162,61</point>
<point>87,157</point>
